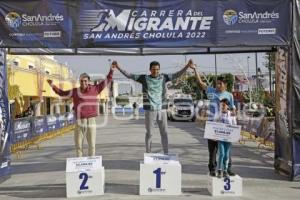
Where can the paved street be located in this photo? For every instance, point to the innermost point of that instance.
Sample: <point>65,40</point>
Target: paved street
<point>40,174</point>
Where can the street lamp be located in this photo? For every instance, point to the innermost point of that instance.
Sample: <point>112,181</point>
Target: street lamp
<point>248,66</point>
<point>249,90</point>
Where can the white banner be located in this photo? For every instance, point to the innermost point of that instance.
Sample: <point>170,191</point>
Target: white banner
<point>222,132</point>
<point>84,164</point>
<point>150,158</point>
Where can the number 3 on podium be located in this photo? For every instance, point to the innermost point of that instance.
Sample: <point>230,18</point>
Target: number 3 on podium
<point>227,185</point>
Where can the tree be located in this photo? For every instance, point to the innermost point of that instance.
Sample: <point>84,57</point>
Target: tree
<point>270,64</point>
<point>122,100</point>
<point>191,85</point>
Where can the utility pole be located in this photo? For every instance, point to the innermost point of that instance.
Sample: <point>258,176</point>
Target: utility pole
<point>256,71</point>
<point>270,74</point>
<point>248,66</point>
<point>248,57</point>
<point>216,72</point>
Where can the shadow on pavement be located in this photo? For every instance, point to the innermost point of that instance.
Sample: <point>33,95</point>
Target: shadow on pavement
<point>38,167</point>
<point>116,188</point>
<point>195,191</point>
<point>35,191</point>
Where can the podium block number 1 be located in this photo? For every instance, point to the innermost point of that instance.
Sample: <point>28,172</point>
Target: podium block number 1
<point>227,185</point>
<point>158,174</point>
<point>158,177</point>
<point>85,177</point>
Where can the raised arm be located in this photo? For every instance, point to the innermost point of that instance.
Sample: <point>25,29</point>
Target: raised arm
<point>108,79</point>
<point>125,73</point>
<point>180,72</point>
<point>60,92</point>
<point>202,84</point>
<point>232,106</point>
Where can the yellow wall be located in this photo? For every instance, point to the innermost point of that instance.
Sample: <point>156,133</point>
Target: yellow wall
<point>26,81</point>
<point>29,80</point>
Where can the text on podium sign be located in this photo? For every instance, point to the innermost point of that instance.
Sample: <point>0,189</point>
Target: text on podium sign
<point>150,158</point>
<point>222,132</point>
<point>84,164</point>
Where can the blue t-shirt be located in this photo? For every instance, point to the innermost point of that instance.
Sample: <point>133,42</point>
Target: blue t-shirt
<point>215,97</point>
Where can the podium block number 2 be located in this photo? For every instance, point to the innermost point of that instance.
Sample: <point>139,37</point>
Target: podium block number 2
<point>227,185</point>
<point>85,177</point>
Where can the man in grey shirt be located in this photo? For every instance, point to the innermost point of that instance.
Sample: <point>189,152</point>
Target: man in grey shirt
<point>155,99</point>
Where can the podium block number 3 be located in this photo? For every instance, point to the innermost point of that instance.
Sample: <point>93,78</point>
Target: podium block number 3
<point>85,177</point>
<point>227,185</point>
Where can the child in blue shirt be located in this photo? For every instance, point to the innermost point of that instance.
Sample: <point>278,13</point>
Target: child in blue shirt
<point>224,147</point>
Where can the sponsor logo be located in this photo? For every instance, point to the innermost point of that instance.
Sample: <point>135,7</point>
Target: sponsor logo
<point>84,192</point>
<point>51,119</point>
<point>156,190</point>
<point>266,31</point>
<point>52,34</point>
<point>13,19</point>
<point>4,164</point>
<point>22,125</point>
<point>230,17</point>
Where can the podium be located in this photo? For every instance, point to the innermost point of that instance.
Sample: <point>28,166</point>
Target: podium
<point>84,176</point>
<point>160,175</point>
<point>232,186</point>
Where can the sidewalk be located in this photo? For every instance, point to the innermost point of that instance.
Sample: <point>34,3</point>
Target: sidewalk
<point>40,174</point>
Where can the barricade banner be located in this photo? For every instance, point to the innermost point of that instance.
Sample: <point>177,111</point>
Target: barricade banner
<point>39,125</point>
<point>22,129</point>
<point>5,123</point>
<point>51,122</point>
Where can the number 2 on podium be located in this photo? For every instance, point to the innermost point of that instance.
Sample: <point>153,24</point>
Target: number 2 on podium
<point>85,177</point>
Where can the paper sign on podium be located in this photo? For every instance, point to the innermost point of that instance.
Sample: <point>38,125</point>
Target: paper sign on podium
<point>222,132</point>
<point>84,176</point>
<point>160,175</point>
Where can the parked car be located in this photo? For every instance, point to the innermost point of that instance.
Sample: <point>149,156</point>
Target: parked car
<point>181,108</point>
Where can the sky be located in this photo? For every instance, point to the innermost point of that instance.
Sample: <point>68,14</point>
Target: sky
<point>169,64</point>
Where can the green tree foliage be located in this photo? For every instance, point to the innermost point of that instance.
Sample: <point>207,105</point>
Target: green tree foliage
<point>122,100</point>
<point>190,85</point>
<point>270,63</point>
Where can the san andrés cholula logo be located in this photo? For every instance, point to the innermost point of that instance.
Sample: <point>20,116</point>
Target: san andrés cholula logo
<point>15,20</point>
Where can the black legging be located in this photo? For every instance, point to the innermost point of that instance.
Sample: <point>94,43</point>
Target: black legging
<point>213,149</point>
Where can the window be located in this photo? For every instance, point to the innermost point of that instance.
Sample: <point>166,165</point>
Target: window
<point>48,106</point>
<point>16,63</point>
<point>30,67</point>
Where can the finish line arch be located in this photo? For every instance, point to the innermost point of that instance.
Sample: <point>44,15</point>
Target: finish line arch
<point>98,27</point>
